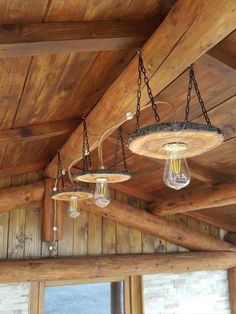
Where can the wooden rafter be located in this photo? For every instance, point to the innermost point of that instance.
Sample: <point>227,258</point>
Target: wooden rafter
<point>125,214</point>
<point>53,38</point>
<point>213,220</point>
<point>23,168</point>
<point>38,131</point>
<point>88,267</point>
<point>167,53</point>
<point>219,195</point>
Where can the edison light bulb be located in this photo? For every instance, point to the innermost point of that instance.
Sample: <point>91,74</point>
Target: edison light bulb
<point>176,172</point>
<point>73,210</point>
<point>101,195</point>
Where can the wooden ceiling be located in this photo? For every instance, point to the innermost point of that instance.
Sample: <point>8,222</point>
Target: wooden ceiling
<point>43,98</point>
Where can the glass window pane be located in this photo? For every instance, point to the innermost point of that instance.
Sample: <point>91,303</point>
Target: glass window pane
<point>95,298</point>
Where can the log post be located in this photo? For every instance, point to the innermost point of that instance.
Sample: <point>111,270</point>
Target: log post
<point>51,215</point>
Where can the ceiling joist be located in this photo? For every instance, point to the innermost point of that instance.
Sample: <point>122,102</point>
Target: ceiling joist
<point>53,38</point>
<point>203,25</point>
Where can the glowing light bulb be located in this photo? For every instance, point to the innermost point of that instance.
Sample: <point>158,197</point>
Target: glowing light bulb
<point>176,172</point>
<point>73,210</point>
<point>101,195</point>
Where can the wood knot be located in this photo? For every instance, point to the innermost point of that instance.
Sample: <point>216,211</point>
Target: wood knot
<point>10,27</point>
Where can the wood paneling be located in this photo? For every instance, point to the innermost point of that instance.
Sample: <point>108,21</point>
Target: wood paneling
<point>86,10</point>
<point>27,11</point>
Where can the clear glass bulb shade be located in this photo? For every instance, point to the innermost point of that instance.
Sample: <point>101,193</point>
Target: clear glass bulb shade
<point>176,173</point>
<point>101,195</point>
<point>73,209</point>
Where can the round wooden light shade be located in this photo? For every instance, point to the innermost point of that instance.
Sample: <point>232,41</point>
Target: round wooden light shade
<point>66,193</point>
<point>112,176</point>
<point>151,141</point>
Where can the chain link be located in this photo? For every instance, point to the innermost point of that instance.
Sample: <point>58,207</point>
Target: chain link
<point>193,82</point>
<point>142,70</point>
<point>86,150</point>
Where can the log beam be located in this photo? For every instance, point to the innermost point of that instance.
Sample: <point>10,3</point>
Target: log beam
<point>190,29</point>
<point>219,196</point>
<point>88,267</point>
<point>157,226</point>
<point>53,38</point>
<point>125,214</point>
<point>22,196</point>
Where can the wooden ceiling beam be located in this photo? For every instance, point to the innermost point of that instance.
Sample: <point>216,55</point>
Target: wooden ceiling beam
<point>38,131</point>
<point>157,226</point>
<point>21,169</point>
<point>212,220</point>
<point>125,214</point>
<point>189,30</point>
<point>220,64</point>
<point>53,38</point>
<point>218,196</point>
<point>90,267</point>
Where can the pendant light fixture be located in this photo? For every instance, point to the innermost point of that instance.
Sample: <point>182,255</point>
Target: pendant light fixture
<point>69,194</point>
<point>173,141</point>
<point>102,177</point>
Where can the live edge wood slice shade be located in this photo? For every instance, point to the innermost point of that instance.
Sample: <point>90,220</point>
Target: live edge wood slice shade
<point>198,138</point>
<point>112,176</point>
<point>112,265</point>
<point>64,194</point>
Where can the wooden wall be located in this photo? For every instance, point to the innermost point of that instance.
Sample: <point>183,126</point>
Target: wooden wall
<point>20,231</point>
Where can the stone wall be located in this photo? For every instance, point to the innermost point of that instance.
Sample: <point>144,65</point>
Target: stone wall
<point>14,298</point>
<point>203,292</point>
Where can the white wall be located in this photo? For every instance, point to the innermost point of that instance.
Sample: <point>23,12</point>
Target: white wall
<point>14,298</point>
<point>204,292</point>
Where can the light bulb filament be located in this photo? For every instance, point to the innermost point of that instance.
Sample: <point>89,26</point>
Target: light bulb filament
<point>176,165</point>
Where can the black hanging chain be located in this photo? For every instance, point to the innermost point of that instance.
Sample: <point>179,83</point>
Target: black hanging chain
<point>193,82</point>
<point>119,140</point>
<point>142,70</point>
<point>86,150</point>
<point>60,174</point>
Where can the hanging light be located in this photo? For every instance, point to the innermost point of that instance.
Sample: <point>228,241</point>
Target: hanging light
<point>102,177</point>
<point>72,195</point>
<point>173,141</point>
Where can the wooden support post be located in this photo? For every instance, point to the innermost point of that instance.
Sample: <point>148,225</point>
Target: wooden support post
<point>51,215</point>
<point>136,292</point>
<point>232,289</point>
<point>90,267</point>
<point>116,299</point>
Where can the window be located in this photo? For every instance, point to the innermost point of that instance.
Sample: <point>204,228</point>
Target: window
<point>90,298</point>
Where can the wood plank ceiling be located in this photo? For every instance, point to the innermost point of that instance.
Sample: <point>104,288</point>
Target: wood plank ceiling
<point>44,97</point>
